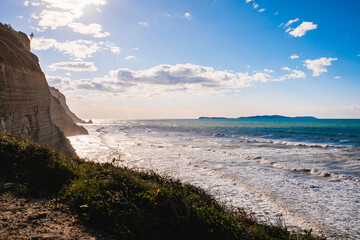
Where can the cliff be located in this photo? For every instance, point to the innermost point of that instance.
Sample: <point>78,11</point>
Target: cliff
<point>25,99</point>
<point>63,117</point>
<point>62,100</point>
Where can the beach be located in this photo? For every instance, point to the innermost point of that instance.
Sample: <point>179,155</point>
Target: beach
<point>302,174</point>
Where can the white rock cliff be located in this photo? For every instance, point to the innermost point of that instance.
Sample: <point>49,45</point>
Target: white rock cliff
<point>27,107</point>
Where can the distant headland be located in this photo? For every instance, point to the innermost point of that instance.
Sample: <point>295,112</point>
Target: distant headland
<point>265,117</point>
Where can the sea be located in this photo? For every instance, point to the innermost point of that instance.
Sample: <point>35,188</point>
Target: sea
<point>298,173</point>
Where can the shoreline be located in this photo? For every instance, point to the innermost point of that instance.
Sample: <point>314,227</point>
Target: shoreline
<point>106,197</point>
<point>182,158</point>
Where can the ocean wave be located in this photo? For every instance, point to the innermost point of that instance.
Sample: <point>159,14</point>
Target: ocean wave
<point>311,171</point>
<point>280,142</point>
<point>284,166</point>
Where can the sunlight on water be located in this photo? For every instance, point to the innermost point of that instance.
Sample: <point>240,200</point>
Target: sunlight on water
<point>306,174</point>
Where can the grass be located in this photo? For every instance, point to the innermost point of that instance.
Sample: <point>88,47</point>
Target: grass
<point>125,203</point>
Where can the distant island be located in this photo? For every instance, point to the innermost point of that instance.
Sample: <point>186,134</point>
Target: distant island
<point>265,117</point>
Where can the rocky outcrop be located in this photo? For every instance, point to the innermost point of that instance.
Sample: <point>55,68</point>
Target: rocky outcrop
<point>25,99</point>
<point>63,117</point>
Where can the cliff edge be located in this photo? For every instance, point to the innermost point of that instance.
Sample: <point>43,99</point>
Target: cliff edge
<point>25,99</point>
<point>62,116</point>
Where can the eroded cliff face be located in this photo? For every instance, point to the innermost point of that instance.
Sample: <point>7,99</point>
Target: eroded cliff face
<point>58,95</point>
<point>63,117</point>
<point>25,99</point>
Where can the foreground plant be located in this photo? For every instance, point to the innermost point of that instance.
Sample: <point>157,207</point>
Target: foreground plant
<point>125,203</point>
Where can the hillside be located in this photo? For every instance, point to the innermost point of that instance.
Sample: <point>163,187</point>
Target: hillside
<point>123,203</point>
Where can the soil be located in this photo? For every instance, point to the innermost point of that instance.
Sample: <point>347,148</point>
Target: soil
<point>29,218</point>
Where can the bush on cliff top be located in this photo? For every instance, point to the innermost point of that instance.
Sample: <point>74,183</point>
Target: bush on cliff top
<point>39,170</point>
<point>125,203</point>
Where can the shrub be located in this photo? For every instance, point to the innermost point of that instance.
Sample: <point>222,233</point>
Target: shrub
<point>125,203</point>
<point>38,169</point>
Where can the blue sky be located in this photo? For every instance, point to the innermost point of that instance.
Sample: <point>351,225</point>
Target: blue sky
<point>131,59</point>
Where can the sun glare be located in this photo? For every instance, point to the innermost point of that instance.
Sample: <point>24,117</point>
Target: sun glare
<point>75,6</point>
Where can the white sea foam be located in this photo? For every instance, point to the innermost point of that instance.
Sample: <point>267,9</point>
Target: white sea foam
<point>304,184</point>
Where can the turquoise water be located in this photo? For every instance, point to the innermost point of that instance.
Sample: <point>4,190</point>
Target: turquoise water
<point>322,131</point>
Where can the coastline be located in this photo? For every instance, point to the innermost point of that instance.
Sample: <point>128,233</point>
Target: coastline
<point>124,203</point>
<point>145,145</point>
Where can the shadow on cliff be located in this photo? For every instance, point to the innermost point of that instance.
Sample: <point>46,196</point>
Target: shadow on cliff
<point>28,107</point>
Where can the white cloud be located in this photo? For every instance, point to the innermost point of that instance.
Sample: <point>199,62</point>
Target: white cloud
<point>181,78</point>
<point>75,6</point>
<point>187,15</point>
<point>337,77</point>
<point>68,74</point>
<point>135,49</point>
<point>294,56</point>
<point>104,84</point>
<point>34,16</point>
<point>61,13</point>
<point>35,4</point>
<point>286,68</point>
<point>260,77</point>
<point>110,46</point>
<point>43,43</point>
<point>296,74</point>
<point>115,49</point>
<point>268,70</point>
<point>167,80</point>
<point>256,6</point>
<point>358,55</point>
<point>58,82</point>
<point>73,66</point>
<point>79,49</point>
<point>92,29</point>
<point>54,19</point>
<point>291,22</point>
<point>144,24</point>
<point>129,57</point>
<point>20,17</point>
<point>303,28</point>
<point>318,65</point>
<point>288,30</point>
<point>26,3</point>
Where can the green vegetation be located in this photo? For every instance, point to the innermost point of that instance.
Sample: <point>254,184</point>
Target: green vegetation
<point>125,203</point>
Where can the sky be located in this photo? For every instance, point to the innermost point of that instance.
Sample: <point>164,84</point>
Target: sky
<point>181,59</point>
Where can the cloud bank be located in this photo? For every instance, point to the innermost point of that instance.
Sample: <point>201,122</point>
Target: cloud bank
<point>168,79</point>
